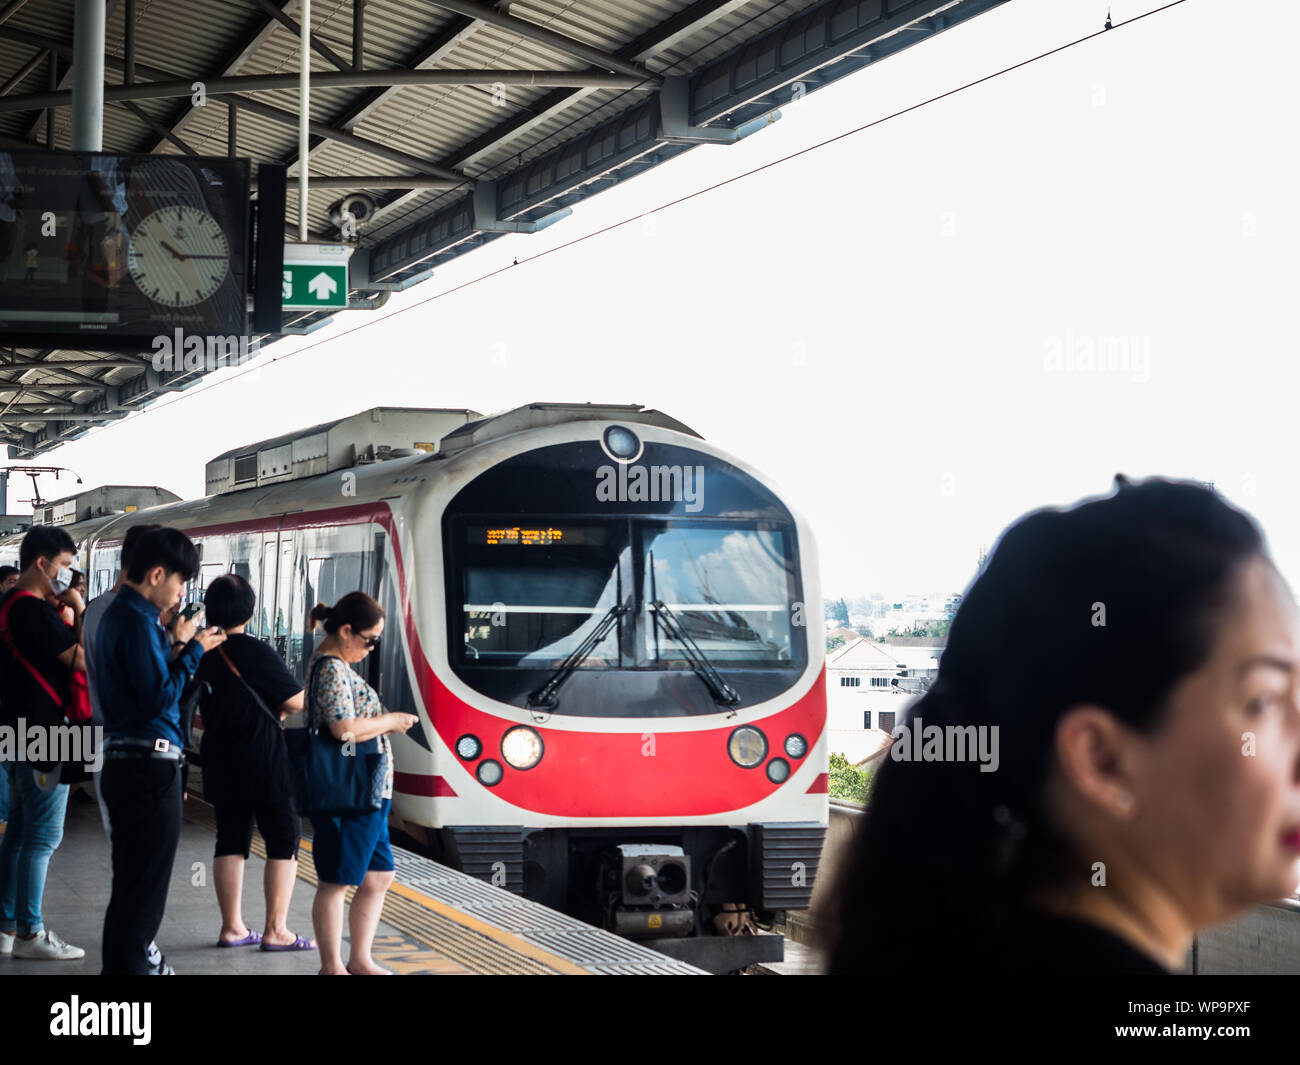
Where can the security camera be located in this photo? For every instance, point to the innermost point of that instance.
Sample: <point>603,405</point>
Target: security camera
<point>356,206</point>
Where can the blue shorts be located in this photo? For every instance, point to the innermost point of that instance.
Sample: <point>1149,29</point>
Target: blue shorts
<point>344,849</point>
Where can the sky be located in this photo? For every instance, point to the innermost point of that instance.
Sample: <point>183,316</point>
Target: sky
<point>921,331</point>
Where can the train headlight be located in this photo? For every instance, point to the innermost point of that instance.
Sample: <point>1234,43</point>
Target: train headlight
<point>747,746</point>
<point>489,773</point>
<point>795,745</point>
<point>621,444</point>
<point>522,747</point>
<point>469,747</point>
<point>778,770</point>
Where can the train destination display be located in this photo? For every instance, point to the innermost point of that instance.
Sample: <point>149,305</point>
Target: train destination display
<point>108,251</point>
<point>523,536</point>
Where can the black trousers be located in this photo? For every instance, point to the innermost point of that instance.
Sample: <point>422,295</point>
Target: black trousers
<point>144,811</point>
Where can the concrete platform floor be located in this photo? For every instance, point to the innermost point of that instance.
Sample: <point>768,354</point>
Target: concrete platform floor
<point>76,894</point>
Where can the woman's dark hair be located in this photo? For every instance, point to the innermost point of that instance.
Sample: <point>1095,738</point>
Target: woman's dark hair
<point>356,609</point>
<point>78,579</point>
<point>1110,603</point>
<point>169,548</point>
<point>44,541</point>
<point>229,601</point>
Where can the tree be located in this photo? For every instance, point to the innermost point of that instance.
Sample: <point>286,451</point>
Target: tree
<point>846,781</point>
<point>833,642</point>
<point>837,610</point>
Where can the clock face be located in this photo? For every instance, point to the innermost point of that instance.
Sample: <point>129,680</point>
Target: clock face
<point>179,256</point>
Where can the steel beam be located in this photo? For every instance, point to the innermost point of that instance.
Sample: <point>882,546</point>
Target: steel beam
<point>358,33</point>
<point>318,46</point>
<point>11,9</point>
<point>342,79</point>
<point>382,181</point>
<point>288,118</point>
<point>534,32</point>
<point>21,75</point>
<point>157,126</point>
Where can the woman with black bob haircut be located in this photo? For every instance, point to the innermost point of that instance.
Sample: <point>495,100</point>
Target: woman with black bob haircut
<point>350,850</point>
<point>246,767</point>
<point>1132,663</point>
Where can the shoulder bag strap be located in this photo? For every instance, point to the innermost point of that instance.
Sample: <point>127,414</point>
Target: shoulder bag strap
<point>8,638</point>
<point>248,687</point>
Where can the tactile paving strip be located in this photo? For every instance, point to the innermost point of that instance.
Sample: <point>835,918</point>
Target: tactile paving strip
<point>592,948</point>
<point>551,942</point>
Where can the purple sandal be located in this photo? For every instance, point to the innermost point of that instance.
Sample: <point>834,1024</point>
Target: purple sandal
<point>300,943</point>
<point>250,940</point>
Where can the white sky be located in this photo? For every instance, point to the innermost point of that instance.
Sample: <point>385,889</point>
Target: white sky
<point>869,323</point>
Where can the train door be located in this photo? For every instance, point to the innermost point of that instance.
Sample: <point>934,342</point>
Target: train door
<point>373,583</point>
<point>284,599</point>
<point>266,593</point>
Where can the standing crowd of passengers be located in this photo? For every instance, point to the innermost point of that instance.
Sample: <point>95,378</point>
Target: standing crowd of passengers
<point>1151,732</point>
<point>131,653</point>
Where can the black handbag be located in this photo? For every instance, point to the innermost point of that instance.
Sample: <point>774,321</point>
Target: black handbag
<point>333,779</point>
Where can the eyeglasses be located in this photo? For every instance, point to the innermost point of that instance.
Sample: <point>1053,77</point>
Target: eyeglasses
<point>371,641</point>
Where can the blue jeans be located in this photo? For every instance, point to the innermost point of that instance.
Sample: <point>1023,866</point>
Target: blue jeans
<point>4,792</point>
<point>35,829</point>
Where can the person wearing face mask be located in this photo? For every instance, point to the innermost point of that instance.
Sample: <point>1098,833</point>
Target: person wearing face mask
<point>39,654</point>
<point>138,681</point>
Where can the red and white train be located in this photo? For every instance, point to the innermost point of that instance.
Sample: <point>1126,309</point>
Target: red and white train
<point>601,621</point>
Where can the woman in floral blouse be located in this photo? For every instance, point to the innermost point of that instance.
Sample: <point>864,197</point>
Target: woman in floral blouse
<point>351,850</point>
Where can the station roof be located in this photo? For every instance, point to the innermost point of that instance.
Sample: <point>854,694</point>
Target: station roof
<point>461,120</point>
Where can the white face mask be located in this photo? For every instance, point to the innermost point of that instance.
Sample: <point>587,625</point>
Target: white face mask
<point>62,580</point>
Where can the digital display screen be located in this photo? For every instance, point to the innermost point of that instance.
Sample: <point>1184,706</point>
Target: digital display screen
<point>535,535</point>
<point>111,251</point>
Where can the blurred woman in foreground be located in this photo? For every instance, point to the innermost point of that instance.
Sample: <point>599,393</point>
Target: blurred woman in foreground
<point>1138,658</point>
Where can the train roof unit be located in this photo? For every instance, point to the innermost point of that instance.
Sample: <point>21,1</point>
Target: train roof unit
<point>537,415</point>
<point>370,436</point>
<point>101,502</point>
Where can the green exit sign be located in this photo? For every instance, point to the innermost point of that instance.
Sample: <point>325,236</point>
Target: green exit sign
<point>315,277</point>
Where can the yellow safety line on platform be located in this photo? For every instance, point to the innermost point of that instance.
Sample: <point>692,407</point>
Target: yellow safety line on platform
<point>498,935</point>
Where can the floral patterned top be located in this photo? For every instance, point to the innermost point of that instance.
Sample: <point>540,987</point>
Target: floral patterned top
<point>338,693</point>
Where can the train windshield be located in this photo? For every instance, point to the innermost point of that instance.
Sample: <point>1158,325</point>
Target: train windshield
<point>729,588</point>
<point>531,595</point>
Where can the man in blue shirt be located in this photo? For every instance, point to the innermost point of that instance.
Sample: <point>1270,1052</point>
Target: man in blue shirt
<point>139,681</point>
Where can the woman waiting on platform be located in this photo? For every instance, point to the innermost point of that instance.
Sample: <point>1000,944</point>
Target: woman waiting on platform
<point>246,769</point>
<point>1135,662</point>
<point>351,850</point>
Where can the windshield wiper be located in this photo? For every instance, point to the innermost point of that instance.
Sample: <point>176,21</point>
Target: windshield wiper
<point>544,698</point>
<point>723,693</point>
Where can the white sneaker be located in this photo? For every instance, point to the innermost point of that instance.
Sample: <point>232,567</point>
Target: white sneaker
<point>47,947</point>
<point>6,943</point>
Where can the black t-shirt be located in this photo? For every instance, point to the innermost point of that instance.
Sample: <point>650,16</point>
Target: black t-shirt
<point>41,635</point>
<point>1037,944</point>
<point>243,752</point>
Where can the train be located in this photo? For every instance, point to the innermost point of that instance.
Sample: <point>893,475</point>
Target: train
<point>608,628</point>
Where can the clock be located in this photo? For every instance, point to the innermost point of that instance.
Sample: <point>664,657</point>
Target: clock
<point>179,256</point>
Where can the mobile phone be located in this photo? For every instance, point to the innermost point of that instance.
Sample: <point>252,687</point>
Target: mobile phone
<point>190,610</point>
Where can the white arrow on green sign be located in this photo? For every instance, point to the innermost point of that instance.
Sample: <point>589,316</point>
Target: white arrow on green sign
<point>315,277</point>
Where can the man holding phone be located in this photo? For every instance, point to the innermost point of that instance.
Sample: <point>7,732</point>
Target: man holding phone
<point>139,679</point>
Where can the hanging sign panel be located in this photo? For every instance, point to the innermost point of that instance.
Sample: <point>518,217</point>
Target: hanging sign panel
<point>103,251</point>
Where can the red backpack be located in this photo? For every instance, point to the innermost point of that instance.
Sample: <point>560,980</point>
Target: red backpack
<point>75,706</point>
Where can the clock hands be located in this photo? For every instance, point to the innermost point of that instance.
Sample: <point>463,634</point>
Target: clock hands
<point>182,255</point>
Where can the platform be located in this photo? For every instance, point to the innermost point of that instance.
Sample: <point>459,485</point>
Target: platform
<point>436,921</point>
